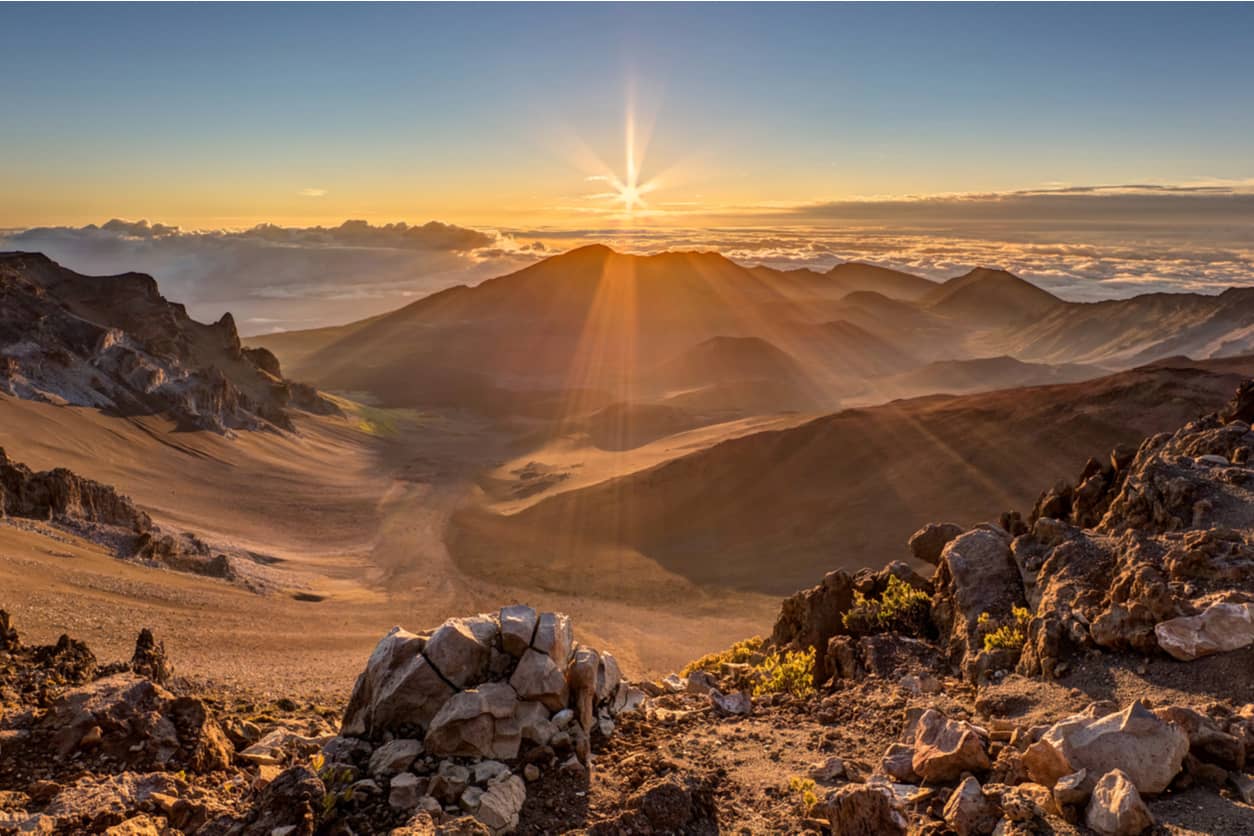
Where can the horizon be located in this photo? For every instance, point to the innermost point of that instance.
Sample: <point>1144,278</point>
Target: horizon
<point>1068,145</point>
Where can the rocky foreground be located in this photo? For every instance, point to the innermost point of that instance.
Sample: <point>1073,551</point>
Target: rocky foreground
<point>1088,668</point>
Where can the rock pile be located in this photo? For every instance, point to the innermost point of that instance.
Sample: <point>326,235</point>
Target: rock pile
<point>436,718</point>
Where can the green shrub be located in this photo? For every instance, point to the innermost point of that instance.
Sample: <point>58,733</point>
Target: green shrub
<point>901,608</point>
<point>1006,636</point>
<point>740,653</point>
<point>791,672</point>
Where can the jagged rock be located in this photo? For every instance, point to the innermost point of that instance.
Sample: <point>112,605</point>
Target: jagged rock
<point>149,659</point>
<point>518,625</point>
<point>140,724</point>
<point>8,635</point>
<point>969,812</point>
<point>929,542</point>
<point>403,791</point>
<point>1073,789</point>
<point>810,618</point>
<point>862,810</point>
<point>538,677</point>
<point>477,722</point>
<point>944,748</point>
<point>93,803</point>
<point>1147,749</point>
<point>898,762</point>
<point>460,649</point>
<point>501,803</point>
<point>290,804</point>
<point>450,782</point>
<point>976,575</point>
<point>1116,808</point>
<point>1207,741</point>
<point>399,688</point>
<point>534,723</point>
<point>394,756</point>
<point>554,637</point>
<point>738,703</point>
<point>1219,628</point>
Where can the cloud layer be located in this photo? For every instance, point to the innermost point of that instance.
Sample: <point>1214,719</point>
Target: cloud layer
<point>273,277</point>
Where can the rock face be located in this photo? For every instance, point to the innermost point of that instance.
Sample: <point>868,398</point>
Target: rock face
<point>113,342</point>
<point>98,512</point>
<point>1116,808</point>
<point>1219,628</point>
<point>1146,749</point>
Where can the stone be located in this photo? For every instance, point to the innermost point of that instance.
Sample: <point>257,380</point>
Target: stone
<point>1116,808</point>
<point>898,762</point>
<point>700,682</point>
<point>485,771</point>
<point>811,618</point>
<point>403,791</point>
<point>737,704</point>
<point>518,625</point>
<point>293,799</point>
<point>149,659</point>
<point>449,782</point>
<point>1207,741</point>
<point>928,542</point>
<point>829,771</point>
<point>1073,789</point>
<point>862,810</point>
<point>608,677</point>
<point>554,638</point>
<point>470,799</point>
<point>582,671</point>
<point>1219,628</point>
<point>501,803</point>
<point>460,649</point>
<point>1150,751</point>
<point>976,575</point>
<point>394,756</point>
<point>531,772</point>
<point>471,722</point>
<point>538,677</point>
<point>398,688</point>
<point>534,723</point>
<point>969,812</point>
<point>944,748</point>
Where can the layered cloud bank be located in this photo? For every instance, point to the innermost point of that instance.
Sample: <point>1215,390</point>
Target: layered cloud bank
<point>274,277</point>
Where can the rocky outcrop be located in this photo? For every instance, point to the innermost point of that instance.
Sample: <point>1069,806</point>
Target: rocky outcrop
<point>99,513</point>
<point>113,342</point>
<point>976,579</point>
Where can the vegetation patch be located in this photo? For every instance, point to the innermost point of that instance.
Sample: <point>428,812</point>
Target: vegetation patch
<point>901,609</point>
<point>1006,635</point>
<point>790,672</point>
<point>746,652</point>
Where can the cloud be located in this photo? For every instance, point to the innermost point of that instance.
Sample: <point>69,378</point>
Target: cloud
<point>276,276</point>
<point>312,192</point>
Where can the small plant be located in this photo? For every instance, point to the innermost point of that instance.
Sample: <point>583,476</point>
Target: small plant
<point>901,608</point>
<point>1007,636</point>
<point>791,672</point>
<point>806,792</point>
<point>740,653</point>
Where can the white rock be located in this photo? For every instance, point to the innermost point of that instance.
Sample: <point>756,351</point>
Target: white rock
<point>1116,808</point>
<point>518,625</point>
<point>1218,629</point>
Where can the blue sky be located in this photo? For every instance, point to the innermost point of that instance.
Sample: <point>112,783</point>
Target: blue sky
<point>234,114</point>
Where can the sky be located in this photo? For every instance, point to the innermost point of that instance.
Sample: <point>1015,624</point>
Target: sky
<point>979,130</point>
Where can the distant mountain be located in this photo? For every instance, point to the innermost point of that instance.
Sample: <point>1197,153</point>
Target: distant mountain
<point>985,296</point>
<point>600,322</point>
<point>114,342</point>
<point>1141,329</point>
<point>854,276</point>
<point>985,374</point>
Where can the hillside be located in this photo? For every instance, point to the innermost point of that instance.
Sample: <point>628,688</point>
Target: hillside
<point>765,511</point>
<point>987,296</point>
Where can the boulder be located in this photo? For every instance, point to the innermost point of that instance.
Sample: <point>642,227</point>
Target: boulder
<point>518,625</point>
<point>149,659</point>
<point>539,678</point>
<point>479,722</point>
<point>929,542</point>
<point>501,803</point>
<point>1116,808</point>
<point>403,791</point>
<point>862,810</point>
<point>810,618</point>
<point>399,688</point>
<point>976,575</point>
<point>969,812</point>
<point>737,704</point>
<point>1207,741</point>
<point>554,638</point>
<point>291,804</point>
<point>394,756</point>
<point>944,749</point>
<point>1219,628</point>
<point>1147,749</point>
<point>460,649</point>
